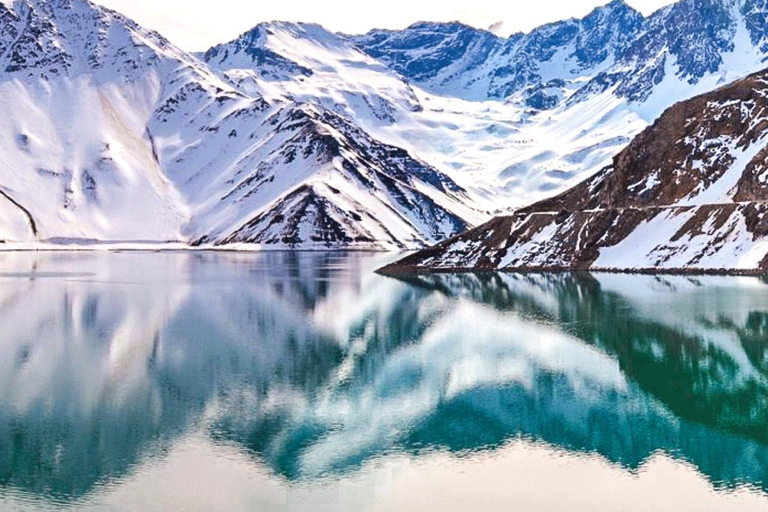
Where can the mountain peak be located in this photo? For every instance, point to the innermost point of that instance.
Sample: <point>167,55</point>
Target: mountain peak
<point>615,8</point>
<point>264,31</point>
<point>618,5</point>
<point>296,27</point>
<point>278,50</point>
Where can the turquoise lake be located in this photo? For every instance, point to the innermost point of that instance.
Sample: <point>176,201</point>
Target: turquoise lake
<point>304,381</point>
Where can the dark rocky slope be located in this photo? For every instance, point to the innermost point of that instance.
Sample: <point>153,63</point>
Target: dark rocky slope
<point>690,193</point>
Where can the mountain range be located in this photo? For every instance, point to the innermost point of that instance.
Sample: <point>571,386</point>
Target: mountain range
<point>294,136</point>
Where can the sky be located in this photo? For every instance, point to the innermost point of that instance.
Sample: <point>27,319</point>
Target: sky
<point>196,25</point>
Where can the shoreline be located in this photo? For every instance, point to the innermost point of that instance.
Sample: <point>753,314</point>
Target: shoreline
<point>170,247</point>
<point>402,271</point>
<point>393,270</point>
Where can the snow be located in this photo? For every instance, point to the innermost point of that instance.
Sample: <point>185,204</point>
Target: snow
<point>743,59</point>
<point>656,243</point>
<point>476,142</point>
<point>753,255</point>
<point>721,191</point>
<point>78,131</point>
<point>647,184</point>
<point>637,249</point>
<point>13,222</point>
<point>529,250</point>
<point>149,146</point>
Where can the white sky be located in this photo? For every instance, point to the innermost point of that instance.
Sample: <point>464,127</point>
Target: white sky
<point>198,24</point>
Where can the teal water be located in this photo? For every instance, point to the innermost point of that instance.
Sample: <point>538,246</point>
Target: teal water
<point>277,381</point>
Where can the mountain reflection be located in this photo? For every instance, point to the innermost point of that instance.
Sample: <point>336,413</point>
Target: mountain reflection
<point>314,365</point>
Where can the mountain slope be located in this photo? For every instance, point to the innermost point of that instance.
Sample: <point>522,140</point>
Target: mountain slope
<point>689,42</point>
<point>612,48</point>
<point>303,62</point>
<point>689,193</point>
<point>77,85</point>
<point>499,152</point>
<point>317,180</point>
<point>573,93</point>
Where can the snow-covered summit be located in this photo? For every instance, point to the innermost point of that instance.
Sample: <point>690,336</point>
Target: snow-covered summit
<point>80,87</point>
<point>305,62</point>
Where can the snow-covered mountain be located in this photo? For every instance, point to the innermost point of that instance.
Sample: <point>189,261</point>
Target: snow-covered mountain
<point>511,120</point>
<point>293,136</point>
<point>78,87</point>
<point>689,193</point>
<point>318,180</point>
<point>110,133</point>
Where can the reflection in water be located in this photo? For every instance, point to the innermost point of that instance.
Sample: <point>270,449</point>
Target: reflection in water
<point>314,366</point>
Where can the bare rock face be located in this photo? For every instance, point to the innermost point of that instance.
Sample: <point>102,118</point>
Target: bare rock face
<point>690,193</point>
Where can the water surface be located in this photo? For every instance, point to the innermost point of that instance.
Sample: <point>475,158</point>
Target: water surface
<point>279,381</point>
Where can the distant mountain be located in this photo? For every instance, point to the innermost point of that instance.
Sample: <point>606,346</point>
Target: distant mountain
<point>457,60</point>
<point>510,120</point>
<point>690,39</point>
<point>557,103</point>
<point>614,47</point>
<point>306,63</point>
<point>690,193</point>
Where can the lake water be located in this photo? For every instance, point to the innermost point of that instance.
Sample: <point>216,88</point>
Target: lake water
<point>277,381</point>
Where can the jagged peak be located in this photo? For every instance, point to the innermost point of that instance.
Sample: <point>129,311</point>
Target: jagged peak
<point>74,37</point>
<point>617,5</point>
<point>276,38</point>
<point>440,27</point>
<point>296,26</point>
<point>259,33</point>
<point>52,6</point>
<point>614,9</point>
<point>445,25</point>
